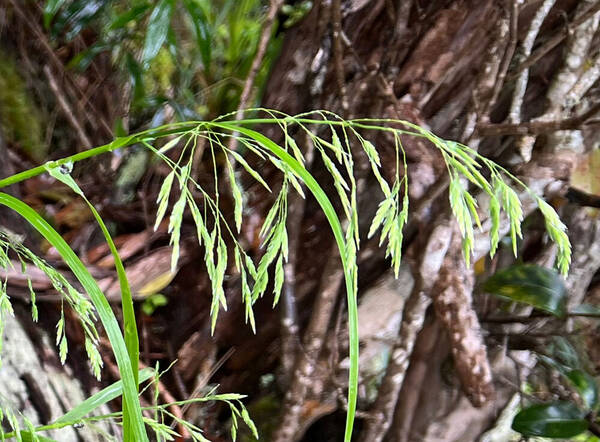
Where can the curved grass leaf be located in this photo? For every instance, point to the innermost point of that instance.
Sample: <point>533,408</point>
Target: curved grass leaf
<point>133,418</point>
<point>556,420</point>
<point>347,243</point>
<point>129,321</point>
<point>338,232</point>
<point>537,286</point>
<point>105,395</point>
<point>29,436</point>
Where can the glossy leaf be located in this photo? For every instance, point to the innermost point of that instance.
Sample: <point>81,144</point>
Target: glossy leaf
<point>158,28</point>
<point>537,286</point>
<point>556,420</point>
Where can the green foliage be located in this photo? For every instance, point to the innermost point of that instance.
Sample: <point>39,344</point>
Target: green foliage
<point>179,193</point>
<point>295,12</point>
<point>158,27</point>
<point>153,302</point>
<point>545,290</point>
<point>555,420</point>
<point>21,119</point>
<point>586,387</point>
<point>191,54</point>
<point>77,301</point>
<point>81,414</point>
<point>537,286</point>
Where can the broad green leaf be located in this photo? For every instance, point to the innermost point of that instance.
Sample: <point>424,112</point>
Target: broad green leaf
<point>537,286</point>
<point>158,28</point>
<point>586,386</point>
<point>556,420</point>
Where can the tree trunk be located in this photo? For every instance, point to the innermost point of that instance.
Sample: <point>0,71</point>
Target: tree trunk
<point>506,78</point>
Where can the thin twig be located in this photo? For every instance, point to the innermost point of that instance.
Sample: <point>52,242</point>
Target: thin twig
<point>432,257</point>
<point>69,85</point>
<point>67,111</point>
<point>508,55</point>
<point>202,383</point>
<point>338,54</point>
<point>289,321</point>
<point>415,378</point>
<point>537,127</point>
<point>555,40</point>
<point>514,115</point>
<point>263,43</point>
<point>314,339</point>
<point>486,82</point>
<point>535,316</point>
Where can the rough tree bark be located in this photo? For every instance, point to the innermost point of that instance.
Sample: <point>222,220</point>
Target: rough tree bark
<point>507,78</point>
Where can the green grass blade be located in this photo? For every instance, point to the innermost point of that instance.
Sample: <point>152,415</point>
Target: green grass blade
<point>129,322</point>
<point>27,436</point>
<point>102,397</point>
<point>338,233</point>
<point>105,313</point>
